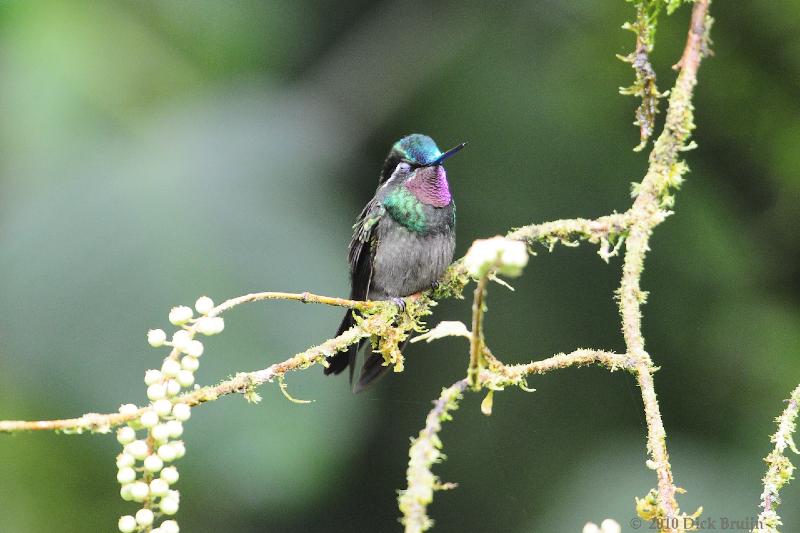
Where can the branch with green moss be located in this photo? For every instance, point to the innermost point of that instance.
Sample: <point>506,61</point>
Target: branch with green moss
<point>780,469</point>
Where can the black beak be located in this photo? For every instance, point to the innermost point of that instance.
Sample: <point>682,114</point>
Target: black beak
<point>450,152</point>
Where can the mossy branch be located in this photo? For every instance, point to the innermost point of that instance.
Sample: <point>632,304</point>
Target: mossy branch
<point>780,469</point>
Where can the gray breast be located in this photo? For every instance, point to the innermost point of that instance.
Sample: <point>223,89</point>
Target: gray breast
<point>407,262</point>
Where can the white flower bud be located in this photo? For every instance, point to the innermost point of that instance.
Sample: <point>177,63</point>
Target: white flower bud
<point>170,475</point>
<point>126,475</point>
<point>126,435</point>
<point>591,527</point>
<point>156,337</point>
<point>125,459</point>
<point>144,517</point>
<point>210,325</point>
<point>507,256</point>
<point>138,449</point>
<point>156,391</point>
<point>169,526</point>
<point>162,407</point>
<point>169,505</point>
<point>181,339</point>
<point>170,368</point>
<point>159,488</point>
<point>127,524</point>
<point>167,452</point>
<point>153,463</point>
<point>204,304</point>
<point>160,433</point>
<point>173,388</point>
<point>181,412</point>
<point>139,491</point>
<point>190,363</point>
<point>610,526</point>
<point>149,418</point>
<point>180,315</point>
<point>152,376</point>
<point>185,378</point>
<point>194,348</point>
<point>127,409</point>
<point>179,447</point>
<point>175,428</point>
<point>125,492</point>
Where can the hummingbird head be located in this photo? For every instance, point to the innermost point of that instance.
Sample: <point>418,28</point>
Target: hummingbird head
<point>416,150</point>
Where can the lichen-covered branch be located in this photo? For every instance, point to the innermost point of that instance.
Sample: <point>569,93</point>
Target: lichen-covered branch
<point>652,197</point>
<point>243,382</point>
<point>780,469</point>
<point>425,450</point>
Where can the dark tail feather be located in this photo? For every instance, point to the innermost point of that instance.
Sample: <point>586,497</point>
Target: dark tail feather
<point>342,360</point>
<point>372,370</point>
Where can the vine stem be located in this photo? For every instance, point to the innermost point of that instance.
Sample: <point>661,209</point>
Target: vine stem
<point>476,339</point>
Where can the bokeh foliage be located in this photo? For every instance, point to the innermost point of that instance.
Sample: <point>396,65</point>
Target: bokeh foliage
<point>154,151</point>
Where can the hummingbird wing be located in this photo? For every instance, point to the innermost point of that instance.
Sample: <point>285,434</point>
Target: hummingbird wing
<point>361,255</point>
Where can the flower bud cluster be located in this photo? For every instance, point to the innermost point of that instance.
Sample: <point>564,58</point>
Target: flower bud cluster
<point>505,256</point>
<point>144,468</point>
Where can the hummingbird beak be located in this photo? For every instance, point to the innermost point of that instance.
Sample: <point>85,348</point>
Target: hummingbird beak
<point>447,154</point>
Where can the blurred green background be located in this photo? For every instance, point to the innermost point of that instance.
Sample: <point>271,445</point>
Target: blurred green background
<point>155,151</point>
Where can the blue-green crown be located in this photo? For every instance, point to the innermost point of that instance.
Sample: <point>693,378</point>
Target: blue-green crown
<point>418,149</point>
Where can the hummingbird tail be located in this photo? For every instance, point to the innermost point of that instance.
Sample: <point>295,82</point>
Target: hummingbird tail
<point>372,369</point>
<point>342,360</point>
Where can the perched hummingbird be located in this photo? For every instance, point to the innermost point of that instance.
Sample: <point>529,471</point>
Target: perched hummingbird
<point>403,240</point>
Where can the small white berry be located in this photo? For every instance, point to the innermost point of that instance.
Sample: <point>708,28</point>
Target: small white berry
<point>159,488</point>
<point>181,412</point>
<point>144,517</point>
<point>160,433</point>
<point>152,376</point>
<point>139,491</point>
<point>126,435</point>
<point>169,505</point>
<point>127,409</point>
<point>181,339</point>
<point>591,527</point>
<point>153,463</point>
<point>210,325</point>
<point>190,363</point>
<point>167,452</point>
<point>185,378</point>
<point>610,526</point>
<point>180,449</point>
<point>173,388</point>
<point>175,428</point>
<point>180,315</point>
<point>170,475</point>
<point>169,526</point>
<point>125,459</point>
<point>127,524</point>
<point>156,391</point>
<point>195,348</point>
<point>204,304</point>
<point>138,449</point>
<point>170,368</point>
<point>162,407</point>
<point>156,337</point>
<point>149,418</point>
<point>126,475</point>
<point>125,492</point>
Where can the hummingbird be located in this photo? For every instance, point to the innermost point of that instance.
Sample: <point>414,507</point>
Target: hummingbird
<point>403,240</point>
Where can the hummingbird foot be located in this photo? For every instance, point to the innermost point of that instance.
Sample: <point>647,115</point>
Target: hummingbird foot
<point>400,303</point>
